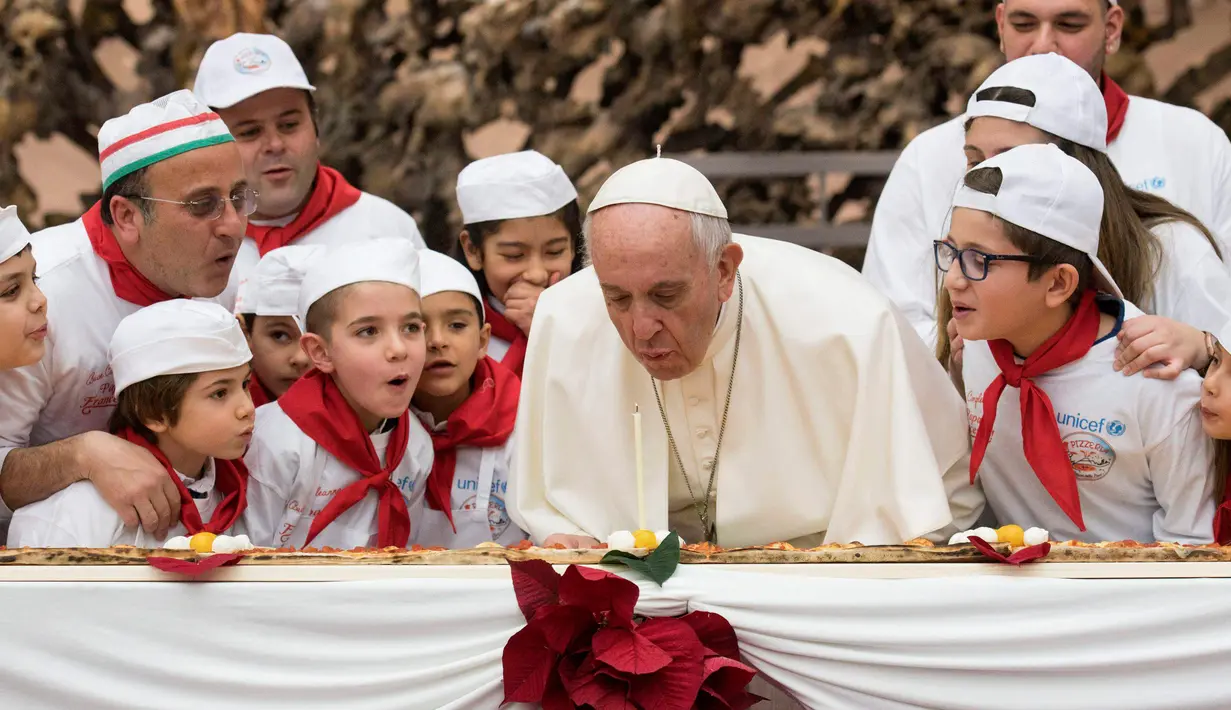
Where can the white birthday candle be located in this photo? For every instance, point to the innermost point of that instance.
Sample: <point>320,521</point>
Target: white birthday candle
<point>640,458</point>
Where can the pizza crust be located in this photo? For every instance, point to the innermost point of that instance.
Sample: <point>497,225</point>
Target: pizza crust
<point>777,553</point>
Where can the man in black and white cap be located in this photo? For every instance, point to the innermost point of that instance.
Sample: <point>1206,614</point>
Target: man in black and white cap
<point>258,86</point>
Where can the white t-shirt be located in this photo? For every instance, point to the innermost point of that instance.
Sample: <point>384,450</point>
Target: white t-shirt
<point>1144,466</point>
<point>292,479</point>
<point>1170,151</point>
<point>71,390</point>
<point>371,217</point>
<point>479,499</point>
<point>79,517</point>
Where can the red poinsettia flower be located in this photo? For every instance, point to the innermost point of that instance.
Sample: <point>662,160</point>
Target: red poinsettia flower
<point>581,646</point>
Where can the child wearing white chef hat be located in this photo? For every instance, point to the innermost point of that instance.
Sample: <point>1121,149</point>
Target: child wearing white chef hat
<point>1061,441</point>
<point>181,374</point>
<point>468,401</point>
<point>268,308</point>
<point>23,309</point>
<point>338,461</point>
<point>522,234</point>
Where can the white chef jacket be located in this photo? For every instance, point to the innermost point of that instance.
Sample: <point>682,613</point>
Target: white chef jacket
<point>497,348</point>
<point>1170,151</point>
<point>292,478</point>
<point>371,217</point>
<point>71,390</point>
<point>79,517</point>
<point>841,423</point>
<point>1144,466</point>
<point>479,498</point>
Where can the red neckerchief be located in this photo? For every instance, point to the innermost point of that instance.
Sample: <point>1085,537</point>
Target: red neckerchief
<point>1040,434</point>
<point>1222,519</point>
<point>1117,107</point>
<point>485,419</point>
<point>260,395</point>
<point>230,478</point>
<point>317,407</point>
<point>504,329</point>
<point>331,194</point>
<point>128,283</point>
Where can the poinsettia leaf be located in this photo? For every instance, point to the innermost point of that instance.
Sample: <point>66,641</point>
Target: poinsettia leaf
<point>556,697</point>
<point>587,687</point>
<point>708,700</point>
<point>637,564</point>
<point>193,569</point>
<point>600,592</point>
<point>715,633</point>
<point>527,663</point>
<point>536,584</point>
<point>674,687</point>
<point>628,651</point>
<point>726,676</point>
<point>563,626</point>
<point>664,559</point>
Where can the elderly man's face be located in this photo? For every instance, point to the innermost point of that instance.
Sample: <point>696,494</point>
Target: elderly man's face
<point>661,294</point>
<point>181,253</point>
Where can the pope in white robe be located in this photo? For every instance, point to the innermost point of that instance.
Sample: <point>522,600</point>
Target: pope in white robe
<point>840,425</point>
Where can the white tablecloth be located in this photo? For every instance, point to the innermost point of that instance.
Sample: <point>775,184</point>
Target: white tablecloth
<point>958,642</point>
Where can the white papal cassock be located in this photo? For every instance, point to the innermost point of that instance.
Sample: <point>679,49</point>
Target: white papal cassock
<point>841,422</point>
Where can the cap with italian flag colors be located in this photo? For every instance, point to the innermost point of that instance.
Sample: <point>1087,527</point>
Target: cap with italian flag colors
<point>164,128</point>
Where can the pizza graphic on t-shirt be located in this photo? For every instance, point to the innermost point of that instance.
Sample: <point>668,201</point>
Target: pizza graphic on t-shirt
<point>1091,456</point>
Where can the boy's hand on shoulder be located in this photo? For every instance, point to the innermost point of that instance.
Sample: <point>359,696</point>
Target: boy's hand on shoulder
<point>131,480</point>
<point>1161,347</point>
<point>522,298</point>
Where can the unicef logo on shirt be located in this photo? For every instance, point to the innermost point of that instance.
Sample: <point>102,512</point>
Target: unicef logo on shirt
<point>251,61</point>
<point>1091,456</point>
<point>1153,184</point>
<point>1115,428</point>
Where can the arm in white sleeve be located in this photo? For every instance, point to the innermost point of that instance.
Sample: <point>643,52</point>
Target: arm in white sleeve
<point>1220,150</point>
<point>1182,471</point>
<point>1193,284</point>
<point>29,474</point>
<point>898,261</point>
<point>272,467</point>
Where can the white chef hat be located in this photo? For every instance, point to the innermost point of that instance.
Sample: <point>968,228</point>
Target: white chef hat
<point>443,273</point>
<point>244,65</point>
<point>1049,193</point>
<point>512,186</point>
<point>391,260</point>
<point>176,337</point>
<point>13,234</point>
<point>660,181</point>
<point>274,285</point>
<point>164,128</point>
<point>1067,101</point>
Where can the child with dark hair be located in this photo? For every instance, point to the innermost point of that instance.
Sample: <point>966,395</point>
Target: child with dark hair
<point>267,305</point>
<point>181,377</point>
<point>468,402</point>
<point>522,234</point>
<point>23,308</point>
<point>1061,441</point>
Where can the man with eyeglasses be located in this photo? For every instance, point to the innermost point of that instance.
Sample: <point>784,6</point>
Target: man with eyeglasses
<point>257,85</point>
<point>1171,151</point>
<point>174,208</point>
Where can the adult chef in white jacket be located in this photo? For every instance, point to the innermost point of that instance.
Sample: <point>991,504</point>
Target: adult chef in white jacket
<point>781,397</point>
<point>174,207</point>
<point>257,85</point>
<point>1171,151</point>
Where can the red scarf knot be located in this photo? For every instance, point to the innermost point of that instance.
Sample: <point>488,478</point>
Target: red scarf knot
<point>1044,449</point>
<point>317,407</point>
<point>230,478</point>
<point>331,194</point>
<point>485,419</point>
<point>128,283</point>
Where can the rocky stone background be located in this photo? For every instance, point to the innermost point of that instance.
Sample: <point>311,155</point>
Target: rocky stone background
<point>411,90</point>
